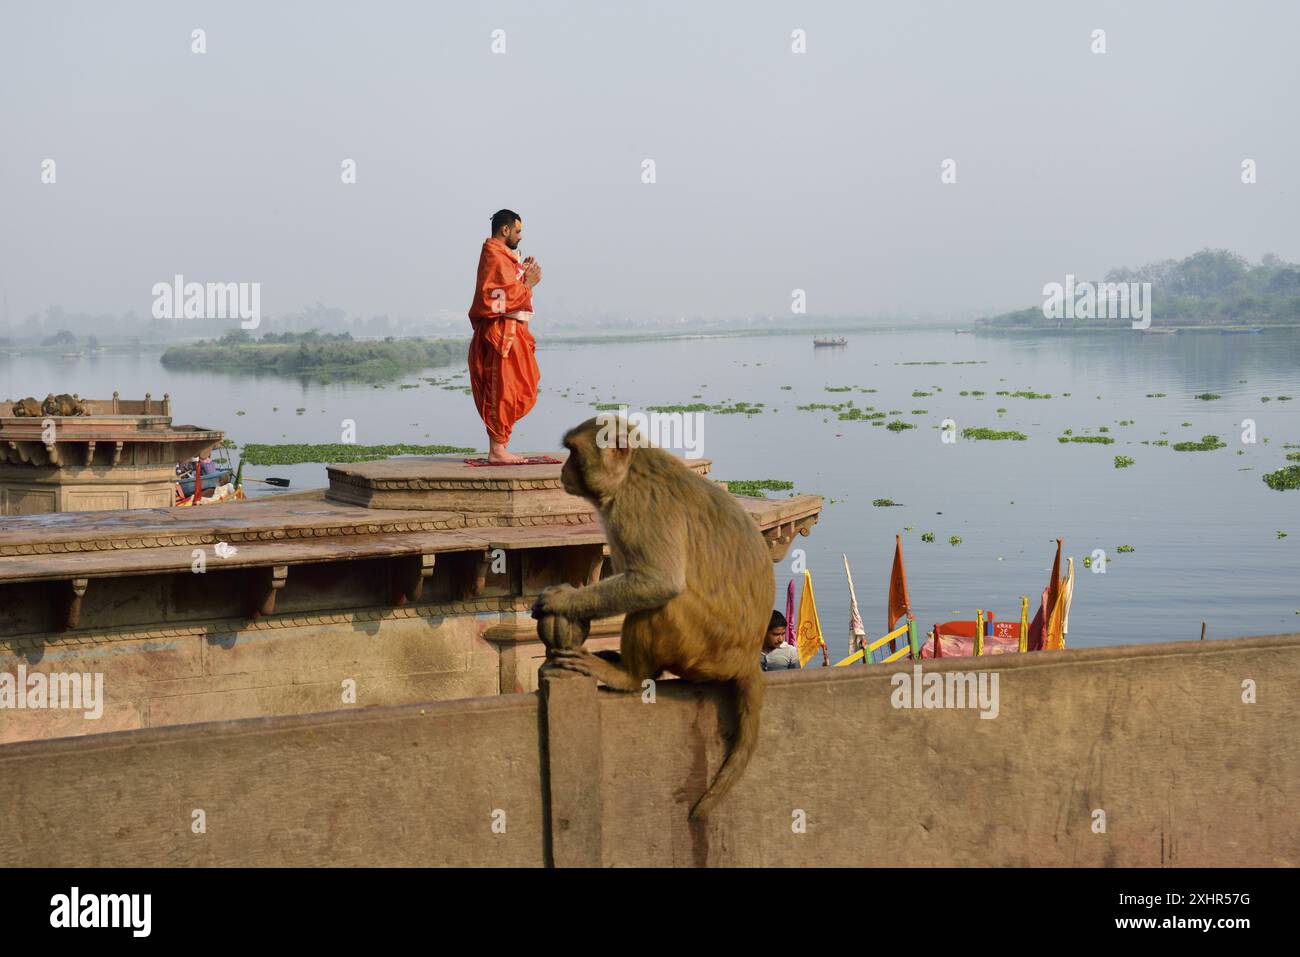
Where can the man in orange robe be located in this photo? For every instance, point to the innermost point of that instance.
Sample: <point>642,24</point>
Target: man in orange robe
<point>503,372</point>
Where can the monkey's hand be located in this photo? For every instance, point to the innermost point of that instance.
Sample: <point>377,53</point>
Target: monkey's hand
<point>556,600</point>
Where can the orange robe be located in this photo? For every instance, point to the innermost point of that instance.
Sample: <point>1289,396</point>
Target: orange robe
<point>503,374</point>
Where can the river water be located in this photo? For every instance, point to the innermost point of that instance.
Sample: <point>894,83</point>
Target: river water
<point>1202,525</point>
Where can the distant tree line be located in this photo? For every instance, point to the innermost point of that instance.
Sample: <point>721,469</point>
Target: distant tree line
<point>315,354</point>
<point>1213,287</point>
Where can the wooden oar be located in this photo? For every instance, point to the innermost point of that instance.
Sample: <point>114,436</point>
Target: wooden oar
<point>280,482</point>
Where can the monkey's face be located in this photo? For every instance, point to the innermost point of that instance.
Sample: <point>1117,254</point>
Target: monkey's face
<point>595,468</point>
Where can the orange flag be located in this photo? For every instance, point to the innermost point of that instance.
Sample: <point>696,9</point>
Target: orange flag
<point>1053,639</point>
<point>810,626</point>
<point>899,603</point>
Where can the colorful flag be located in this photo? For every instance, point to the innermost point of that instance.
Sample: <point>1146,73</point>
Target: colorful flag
<point>856,630</point>
<point>899,603</point>
<point>198,485</point>
<point>1067,596</point>
<point>1053,619</point>
<point>810,627</point>
<point>239,479</point>
<point>790,638</point>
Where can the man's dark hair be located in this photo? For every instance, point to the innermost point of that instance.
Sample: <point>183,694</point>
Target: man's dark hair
<point>778,621</point>
<point>504,217</point>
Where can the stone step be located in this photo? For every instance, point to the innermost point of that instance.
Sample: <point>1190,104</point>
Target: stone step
<point>514,494</point>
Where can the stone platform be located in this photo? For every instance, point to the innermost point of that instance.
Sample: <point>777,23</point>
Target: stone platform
<point>511,494</point>
<point>122,454</point>
<point>416,587</point>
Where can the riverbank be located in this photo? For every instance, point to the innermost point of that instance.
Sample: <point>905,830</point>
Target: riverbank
<point>333,359</point>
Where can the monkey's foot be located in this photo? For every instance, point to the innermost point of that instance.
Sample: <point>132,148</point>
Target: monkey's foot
<point>585,663</point>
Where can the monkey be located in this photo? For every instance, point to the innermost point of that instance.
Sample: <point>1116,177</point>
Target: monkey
<point>692,575</point>
<point>27,407</point>
<point>63,404</point>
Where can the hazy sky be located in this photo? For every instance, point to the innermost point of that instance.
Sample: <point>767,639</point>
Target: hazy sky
<point>775,170</point>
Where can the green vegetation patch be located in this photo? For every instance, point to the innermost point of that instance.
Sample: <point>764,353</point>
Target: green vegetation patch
<point>1093,439</point>
<point>1208,443</point>
<point>755,488</point>
<point>1207,396</point>
<point>885,503</point>
<point>314,354</point>
<point>992,435</point>
<point>898,425</point>
<point>1284,478</point>
<point>1123,461</point>
<point>296,454</point>
<point>739,408</point>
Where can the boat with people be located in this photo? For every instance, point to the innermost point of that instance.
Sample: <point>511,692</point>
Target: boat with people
<point>202,481</point>
<point>829,341</point>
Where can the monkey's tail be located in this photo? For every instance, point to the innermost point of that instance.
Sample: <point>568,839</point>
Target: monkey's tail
<point>749,708</point>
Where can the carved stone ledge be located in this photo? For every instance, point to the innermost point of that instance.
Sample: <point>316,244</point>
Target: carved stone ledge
<point>409,575</point>
<point>71,594</point>
<point>780,536</point>
<point>268,581</point>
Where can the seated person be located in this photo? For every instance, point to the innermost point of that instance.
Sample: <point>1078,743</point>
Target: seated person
<point>777,655</point>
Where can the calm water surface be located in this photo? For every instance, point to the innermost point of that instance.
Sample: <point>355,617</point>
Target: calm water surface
<point>1202,524</point>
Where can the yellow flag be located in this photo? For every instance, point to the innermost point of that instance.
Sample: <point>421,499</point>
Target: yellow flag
<point>809,633</point>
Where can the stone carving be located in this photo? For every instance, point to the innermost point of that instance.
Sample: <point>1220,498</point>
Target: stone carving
<point>558,632</point>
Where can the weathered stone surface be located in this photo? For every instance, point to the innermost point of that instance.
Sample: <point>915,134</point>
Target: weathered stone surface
<point>419,604</point>
<point>1156,736</point>
<point>512,494</point>
<point>116,454</point>
<point>398,786</point>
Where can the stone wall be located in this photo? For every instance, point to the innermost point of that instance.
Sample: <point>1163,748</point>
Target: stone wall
<point>294,664</point>
<point>1161,739</point>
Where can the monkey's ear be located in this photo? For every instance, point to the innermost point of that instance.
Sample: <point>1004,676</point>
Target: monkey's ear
<point>614,462</point>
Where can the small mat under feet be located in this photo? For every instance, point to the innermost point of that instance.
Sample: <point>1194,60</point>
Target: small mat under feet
<point>531,460</point>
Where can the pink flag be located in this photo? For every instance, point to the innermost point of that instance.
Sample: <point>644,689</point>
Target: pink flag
<point>789,615</point>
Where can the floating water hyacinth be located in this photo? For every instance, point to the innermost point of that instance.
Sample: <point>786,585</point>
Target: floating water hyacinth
<point>992,435</point>
<point>754,488</point>
<point>1284,478</point>
<point>296,454</point>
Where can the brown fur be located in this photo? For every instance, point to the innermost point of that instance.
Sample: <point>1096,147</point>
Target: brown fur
<point>692,575</point>
<point>27,407</point>
<point>63,404</point>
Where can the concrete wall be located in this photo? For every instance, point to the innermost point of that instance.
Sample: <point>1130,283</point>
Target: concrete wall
<point>1158,737</point>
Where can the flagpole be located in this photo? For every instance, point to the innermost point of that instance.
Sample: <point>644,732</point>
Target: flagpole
<point>855,617</point>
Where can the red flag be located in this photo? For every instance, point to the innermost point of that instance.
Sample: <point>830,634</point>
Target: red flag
<point>1054,619</point>
<point>899,603</point>
<point>790,638</point>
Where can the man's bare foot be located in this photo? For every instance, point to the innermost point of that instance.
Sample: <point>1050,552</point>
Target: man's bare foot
<point>498,455</point>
